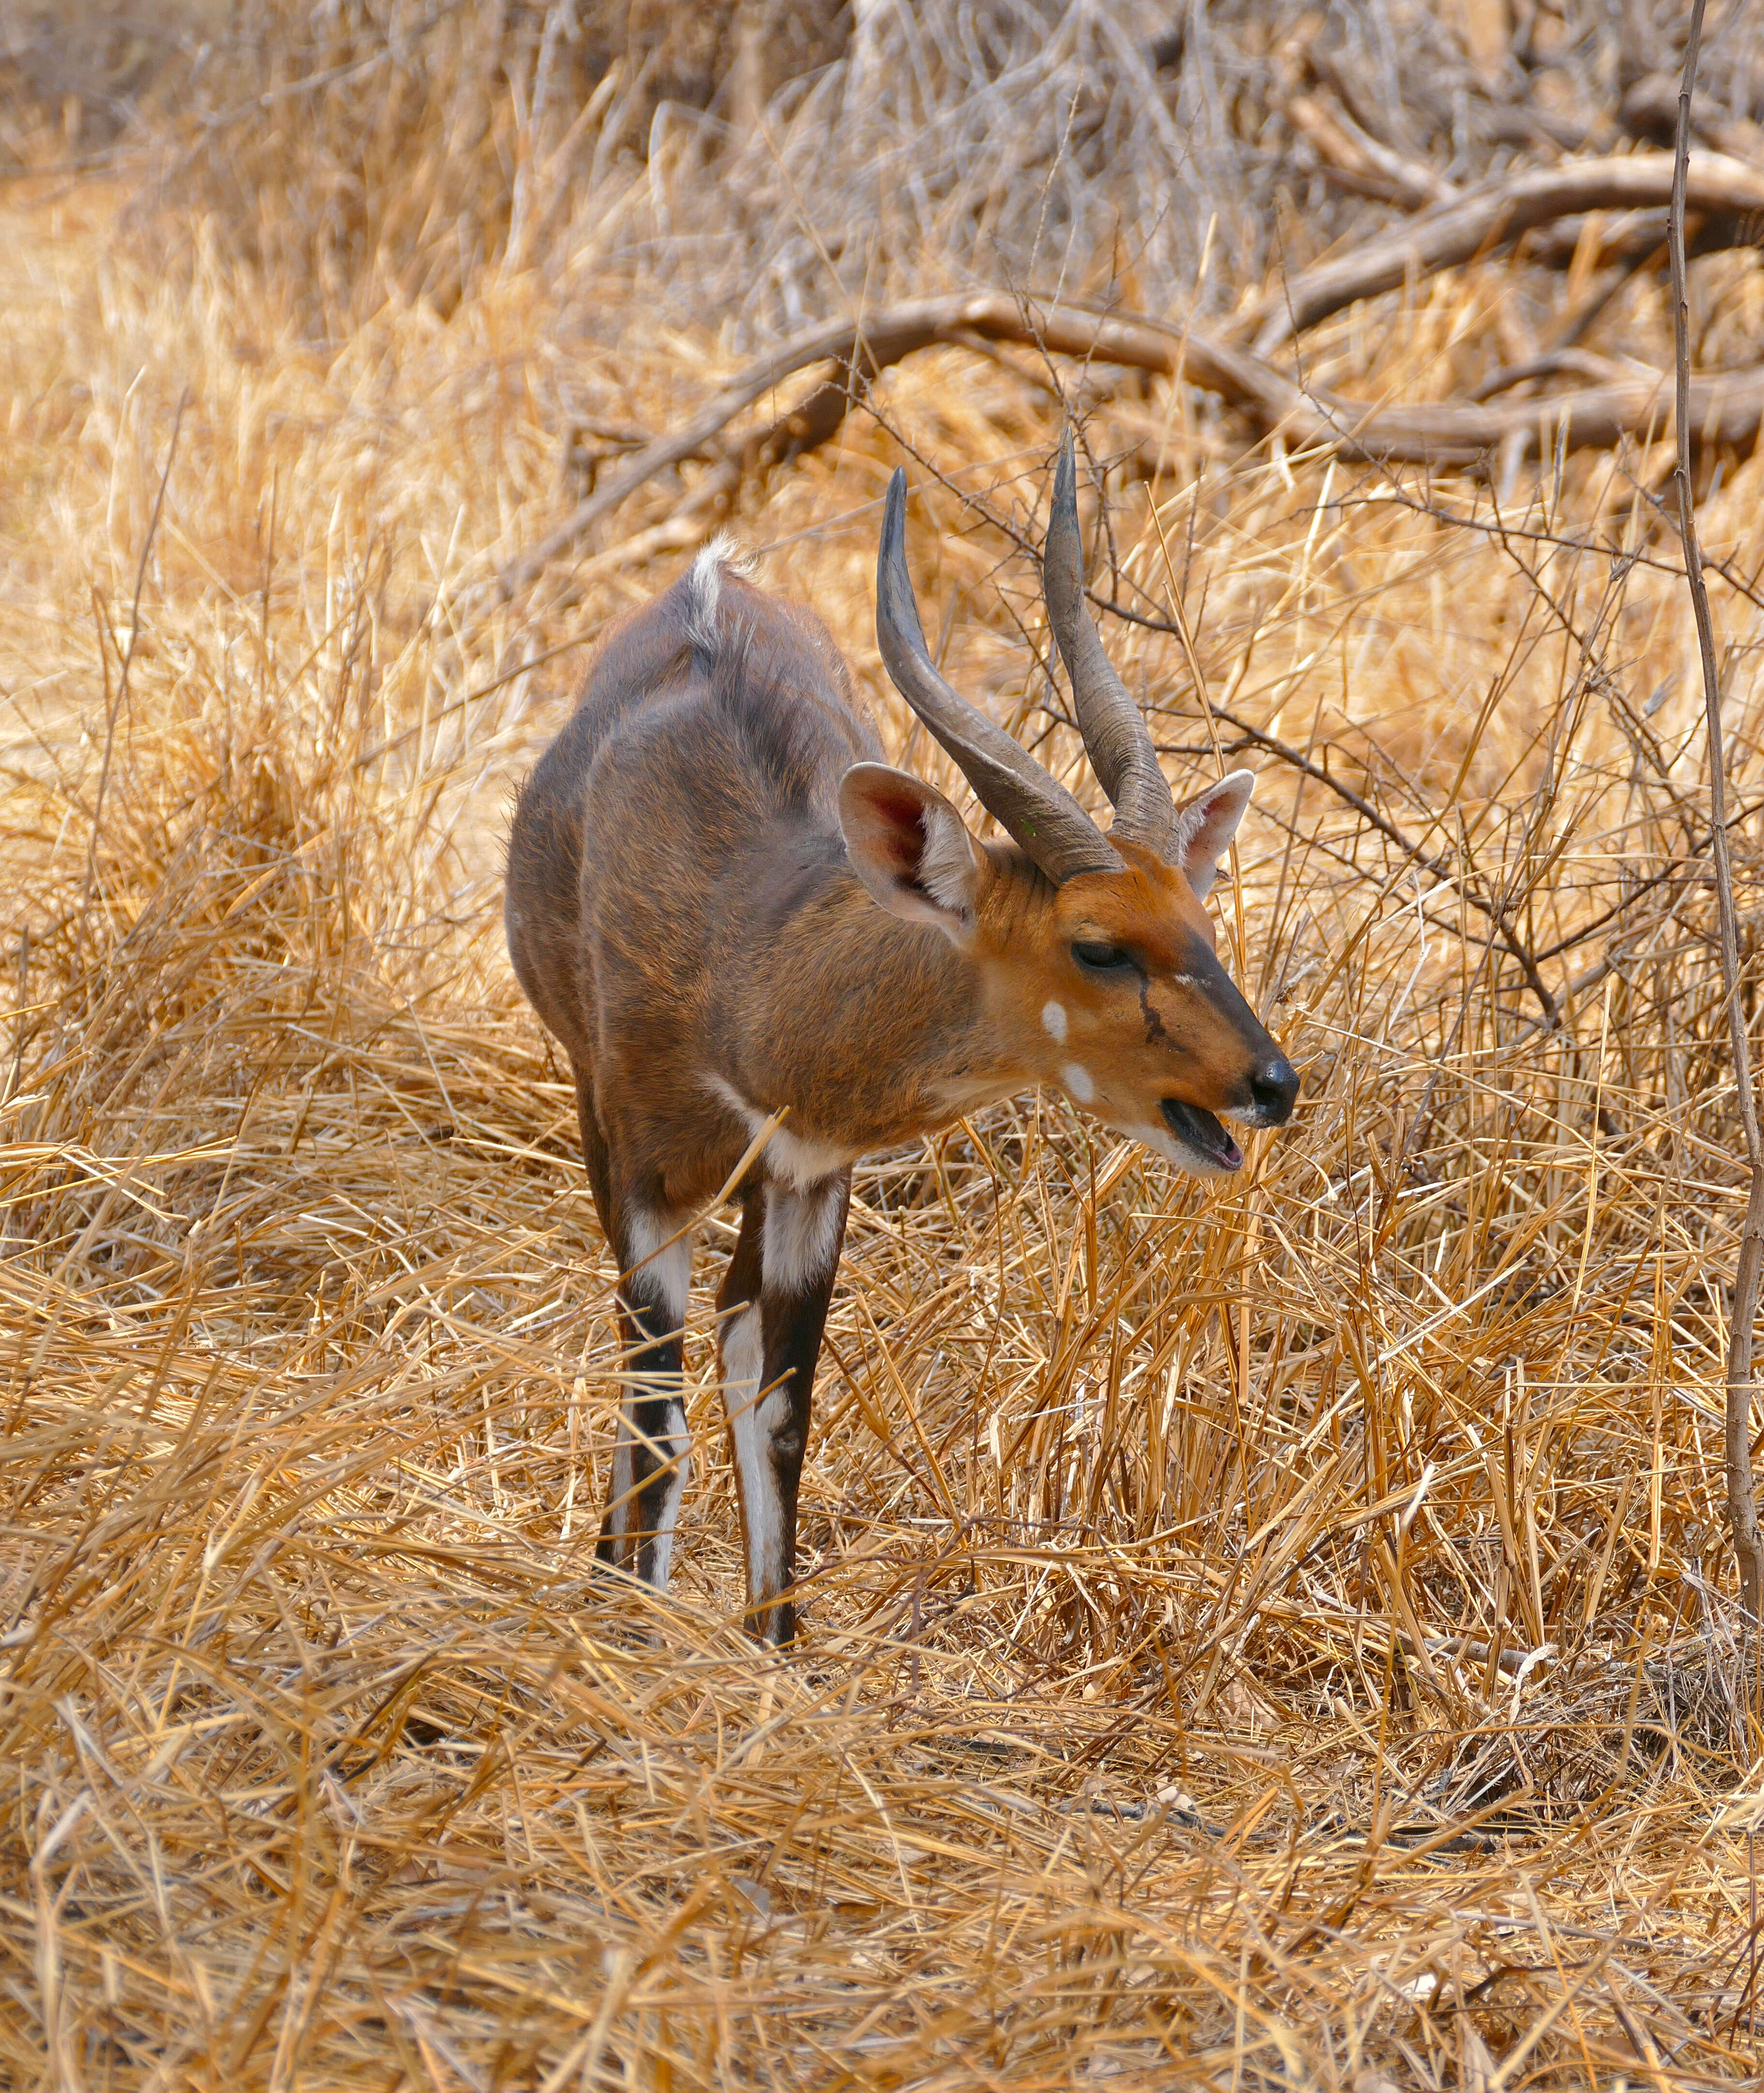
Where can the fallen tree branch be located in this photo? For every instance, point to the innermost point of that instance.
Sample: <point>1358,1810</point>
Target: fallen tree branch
<point>859,352</point>
<point>1726,407</point>
<point>1633,240</point>
<point>1650,109</point>
<point>1742,1503</point>
<point>673,448</point>
<point>1484,220</point>
<point>1552,363</point>
<point>1361,161</point>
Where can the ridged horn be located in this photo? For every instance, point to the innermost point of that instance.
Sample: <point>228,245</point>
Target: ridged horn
<point>1033,806</point>
<point>1114,728</point>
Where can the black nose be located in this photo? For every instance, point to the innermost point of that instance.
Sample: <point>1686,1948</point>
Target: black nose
<point>1274,1088</point>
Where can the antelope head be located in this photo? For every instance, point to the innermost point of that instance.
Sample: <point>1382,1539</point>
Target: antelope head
<point>1098,964</point>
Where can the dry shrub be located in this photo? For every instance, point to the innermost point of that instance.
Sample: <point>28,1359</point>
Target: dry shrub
<point>1273,1635</point>
<point>724,157</point>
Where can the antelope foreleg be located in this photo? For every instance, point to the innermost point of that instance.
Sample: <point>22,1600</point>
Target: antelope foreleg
<point>774,1302</point>
<point>651,1459</point>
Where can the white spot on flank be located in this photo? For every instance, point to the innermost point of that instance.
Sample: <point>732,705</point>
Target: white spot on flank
<point>1077,1080</point>
<point>1053,1021</point>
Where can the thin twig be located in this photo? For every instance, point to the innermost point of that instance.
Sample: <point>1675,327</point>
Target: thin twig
<point>1742,1503</point>
<point>121,697</point>
<point>1438,867</point>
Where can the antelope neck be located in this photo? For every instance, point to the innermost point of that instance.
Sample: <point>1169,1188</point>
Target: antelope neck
<point>871,1030</point>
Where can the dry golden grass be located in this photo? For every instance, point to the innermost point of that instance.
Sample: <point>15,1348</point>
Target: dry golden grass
<point>1130,1738</point>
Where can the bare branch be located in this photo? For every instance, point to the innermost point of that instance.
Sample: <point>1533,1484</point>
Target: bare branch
<point>1437,866</point>
<point>1489,219</point>
<point>1365,163</point>
<point>1742,1503</point>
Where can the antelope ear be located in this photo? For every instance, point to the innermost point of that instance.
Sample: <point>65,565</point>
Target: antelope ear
<point>910,848</point>
<point>1205,826</point>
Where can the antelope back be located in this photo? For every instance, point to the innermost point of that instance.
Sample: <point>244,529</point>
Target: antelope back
<point>660,833</point>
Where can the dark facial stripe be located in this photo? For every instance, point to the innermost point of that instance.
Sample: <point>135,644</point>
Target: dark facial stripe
<point>1155,1034</point>
<point>1227,1000</point>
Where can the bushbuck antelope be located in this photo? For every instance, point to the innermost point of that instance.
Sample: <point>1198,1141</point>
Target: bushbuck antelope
<point>727,908</point>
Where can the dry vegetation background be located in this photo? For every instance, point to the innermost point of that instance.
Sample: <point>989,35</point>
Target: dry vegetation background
<point>1278,1634</point>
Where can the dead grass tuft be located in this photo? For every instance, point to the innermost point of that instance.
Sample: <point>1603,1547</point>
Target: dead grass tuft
<point>1275,1635</point>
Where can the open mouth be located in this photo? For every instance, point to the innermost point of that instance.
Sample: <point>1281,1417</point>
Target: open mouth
<point>1202,1132</point>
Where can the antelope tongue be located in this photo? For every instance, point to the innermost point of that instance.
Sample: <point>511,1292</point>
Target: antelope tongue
<point>1202,1132</point>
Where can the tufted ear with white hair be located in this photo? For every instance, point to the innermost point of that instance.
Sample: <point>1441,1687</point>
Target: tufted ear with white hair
<point>910,848</point>
<point>1204,825</point>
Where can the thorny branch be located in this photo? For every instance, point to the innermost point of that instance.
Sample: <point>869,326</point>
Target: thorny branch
<point>1438,867</point>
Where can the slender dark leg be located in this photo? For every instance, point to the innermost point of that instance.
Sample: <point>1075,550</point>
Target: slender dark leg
<point>740,1355</point>
<point>594,1153</point>
<point>773,1304</point>
<point>650,1461</point>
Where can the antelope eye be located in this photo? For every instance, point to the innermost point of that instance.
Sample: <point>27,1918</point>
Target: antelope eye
<point>1103,959</point>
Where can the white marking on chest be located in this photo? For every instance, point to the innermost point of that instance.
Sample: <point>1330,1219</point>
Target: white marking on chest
<point>800,1161</point>
<point>1053,1022</point>
<point>1077,1080</point>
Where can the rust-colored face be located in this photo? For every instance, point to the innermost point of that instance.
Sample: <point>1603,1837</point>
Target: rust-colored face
<point>1099,966</point>
<point>1115,989</point>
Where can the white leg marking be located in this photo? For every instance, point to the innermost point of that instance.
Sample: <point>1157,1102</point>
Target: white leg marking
<point>751,1425</point>
<point>1077,1080</point>
<point>668,1448</point>
<point>678,1476</point>
<point>659,1276</point>
<point>621,1491</point>
<point>661,1253</point>
<point>1053,1021</point>
<point>802,1235</point>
